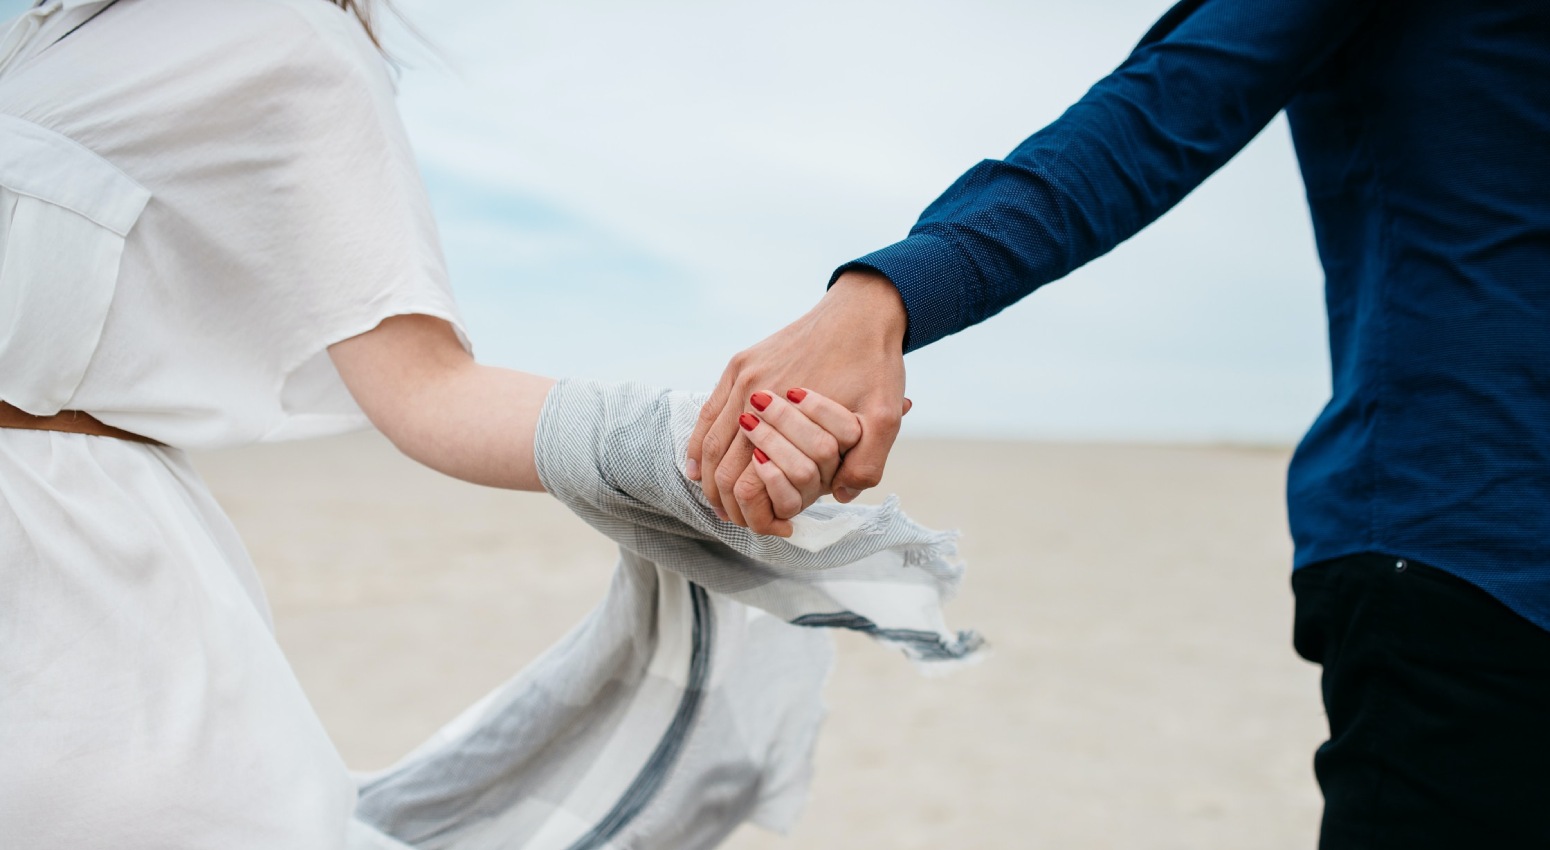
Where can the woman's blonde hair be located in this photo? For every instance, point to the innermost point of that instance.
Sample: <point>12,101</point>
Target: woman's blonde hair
<point>362,10</point>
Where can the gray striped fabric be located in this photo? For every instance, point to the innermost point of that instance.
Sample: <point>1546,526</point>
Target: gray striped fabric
<point>690,699</point>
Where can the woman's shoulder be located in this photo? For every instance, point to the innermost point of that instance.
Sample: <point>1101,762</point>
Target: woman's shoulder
<point>130,80</point>
<point>324,31</point>
<point>175,52</point>
<point>272,35</point>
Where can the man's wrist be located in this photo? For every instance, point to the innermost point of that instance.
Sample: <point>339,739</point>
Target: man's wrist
<point>874,302</point>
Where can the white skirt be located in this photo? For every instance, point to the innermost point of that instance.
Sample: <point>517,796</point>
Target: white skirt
<point>144,701</point>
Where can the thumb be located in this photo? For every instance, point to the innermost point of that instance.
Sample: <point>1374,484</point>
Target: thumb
<point>862,468</point>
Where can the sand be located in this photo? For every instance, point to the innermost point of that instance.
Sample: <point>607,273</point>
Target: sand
<point>1142,694</point>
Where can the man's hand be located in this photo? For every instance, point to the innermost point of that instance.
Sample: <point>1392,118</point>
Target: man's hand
<point>850,347</point>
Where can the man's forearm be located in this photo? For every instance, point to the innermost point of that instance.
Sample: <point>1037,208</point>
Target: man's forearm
<point>1197,89</point>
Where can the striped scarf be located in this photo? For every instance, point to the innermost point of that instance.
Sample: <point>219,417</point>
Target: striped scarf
<point>689,701</point>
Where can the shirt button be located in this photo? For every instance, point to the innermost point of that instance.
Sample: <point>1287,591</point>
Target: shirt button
<point>1400,565</point>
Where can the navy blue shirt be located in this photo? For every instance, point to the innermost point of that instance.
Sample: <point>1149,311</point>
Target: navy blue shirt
<point>1423,132</point>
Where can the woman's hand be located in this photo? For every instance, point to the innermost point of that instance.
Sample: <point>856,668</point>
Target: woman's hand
<point>851,345</point>
<point>799,442</point>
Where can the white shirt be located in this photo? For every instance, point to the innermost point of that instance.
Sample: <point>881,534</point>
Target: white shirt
<point>197,197</point>
<point>201,197</point>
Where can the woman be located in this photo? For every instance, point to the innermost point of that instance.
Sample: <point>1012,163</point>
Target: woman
<point>213,233</point>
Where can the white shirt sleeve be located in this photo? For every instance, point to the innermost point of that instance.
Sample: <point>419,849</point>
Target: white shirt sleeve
<point>349,214</point>
<point>286,211</point>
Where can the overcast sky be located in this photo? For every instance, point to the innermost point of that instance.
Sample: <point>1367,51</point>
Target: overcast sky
<point>636,190</point>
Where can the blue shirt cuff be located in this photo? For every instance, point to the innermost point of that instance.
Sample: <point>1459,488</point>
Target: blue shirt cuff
<point>933,280</point>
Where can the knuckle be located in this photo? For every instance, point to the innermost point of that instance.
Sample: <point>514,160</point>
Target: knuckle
<point>828,448</point>
<point>791,509</point>
<point>804,477</point>
<point>865,476</point>
<point>747,489</point>
<point>726,478</point>
<point>711,447</point>
<point>885,419</point>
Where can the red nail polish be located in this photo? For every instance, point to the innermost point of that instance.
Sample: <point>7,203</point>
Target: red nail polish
<point>760,456</point>
<point>796,395</point>
<point>760,401</point>
<point>748,421</point>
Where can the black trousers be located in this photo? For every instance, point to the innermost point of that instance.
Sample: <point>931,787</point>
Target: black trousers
<point>1438,699</point>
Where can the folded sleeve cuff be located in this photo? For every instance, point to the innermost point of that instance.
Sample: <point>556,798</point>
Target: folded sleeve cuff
<point>933,278</point>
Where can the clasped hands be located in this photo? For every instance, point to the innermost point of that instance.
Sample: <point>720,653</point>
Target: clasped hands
<point>811,410</point>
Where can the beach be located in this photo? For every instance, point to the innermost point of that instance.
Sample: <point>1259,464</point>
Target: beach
<point>1142,691</point>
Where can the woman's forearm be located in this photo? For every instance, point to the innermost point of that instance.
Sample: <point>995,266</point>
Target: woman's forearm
<point>476,423</point>
<point>425,393</point>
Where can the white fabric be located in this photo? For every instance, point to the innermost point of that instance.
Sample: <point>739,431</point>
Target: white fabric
<point>144,702</point>
<point>197,197</point>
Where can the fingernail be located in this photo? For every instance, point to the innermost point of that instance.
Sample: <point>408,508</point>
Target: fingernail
<point>796,395</point>
<point>721,515</point>
<point>760,401</point>
<point>748,421</point>
<point>760,456</point>
<point>692,469</point>
<point>844,494</point>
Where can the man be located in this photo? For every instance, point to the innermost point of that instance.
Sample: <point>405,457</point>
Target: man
<point>1420,499</point>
